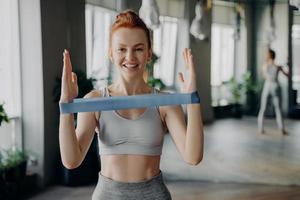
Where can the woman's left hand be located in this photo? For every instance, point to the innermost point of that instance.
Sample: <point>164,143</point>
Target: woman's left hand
<point>188,81</point>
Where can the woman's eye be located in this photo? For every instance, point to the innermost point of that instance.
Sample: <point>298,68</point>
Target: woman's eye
<point>121,50</point>
<point>139,49</point>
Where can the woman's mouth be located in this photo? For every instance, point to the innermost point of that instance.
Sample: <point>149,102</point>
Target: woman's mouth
<point>131,67</point>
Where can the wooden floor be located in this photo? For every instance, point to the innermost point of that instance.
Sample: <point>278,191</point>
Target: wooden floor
<point>238,164</point>
<point>234,151</point>
<point>190,191</point>
<point>231,191</point>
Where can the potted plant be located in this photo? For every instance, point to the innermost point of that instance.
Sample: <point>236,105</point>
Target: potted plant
<point>236,89</point>
<point>13,166</point>
<point>11,160</point>
<point>246,89</point>
<point>252,90</point>
<point>14,172</point>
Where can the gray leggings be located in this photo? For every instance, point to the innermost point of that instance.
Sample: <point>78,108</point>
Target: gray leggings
<point>153,189</point>
<point>270,88</point>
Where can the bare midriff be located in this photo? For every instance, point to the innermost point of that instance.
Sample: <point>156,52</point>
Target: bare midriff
<point>130,168</point>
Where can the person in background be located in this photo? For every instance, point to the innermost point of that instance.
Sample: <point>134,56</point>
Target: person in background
<point>271,86</point>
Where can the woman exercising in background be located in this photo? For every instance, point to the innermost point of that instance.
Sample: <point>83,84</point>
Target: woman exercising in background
<point>271,85</point>
<point>130,141</point>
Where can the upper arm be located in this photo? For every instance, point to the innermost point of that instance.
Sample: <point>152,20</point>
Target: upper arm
<point>175,121</point>
<point>86,124</point>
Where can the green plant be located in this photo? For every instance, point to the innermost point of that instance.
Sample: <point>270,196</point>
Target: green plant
<point>249,84</point>
<point>155,82</point>
<point>13,158</point>
<point>236,90</point>
<point>150,66</point>
<point>239,89</point>
<point>151,81</point>
<point>3,115</point>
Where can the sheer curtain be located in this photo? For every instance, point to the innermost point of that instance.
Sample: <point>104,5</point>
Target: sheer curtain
<point>222,61</point>
<point>9,57</point>
<point>10,87</point>
<point>98,22</point>
<point>164,45</point>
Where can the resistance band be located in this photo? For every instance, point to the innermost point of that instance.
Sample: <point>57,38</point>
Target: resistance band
<point>127,102</point>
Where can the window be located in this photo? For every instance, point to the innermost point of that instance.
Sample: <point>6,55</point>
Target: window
<point>10,92</point>
<point>98,23</point>
<point>222,62</point>
<point>164,45</point>
<point>222,54</point>
<point>9,57</point>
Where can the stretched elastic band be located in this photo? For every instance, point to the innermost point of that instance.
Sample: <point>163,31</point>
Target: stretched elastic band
<point>127,102</point>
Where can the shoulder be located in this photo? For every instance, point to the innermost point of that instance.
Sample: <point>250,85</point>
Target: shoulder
<point>92,94</point>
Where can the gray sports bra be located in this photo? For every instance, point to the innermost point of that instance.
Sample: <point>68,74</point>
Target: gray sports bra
<point>272,73</point>
<point>118,135</point>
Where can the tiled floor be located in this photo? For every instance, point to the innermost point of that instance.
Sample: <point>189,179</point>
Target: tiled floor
<point>238,164</point>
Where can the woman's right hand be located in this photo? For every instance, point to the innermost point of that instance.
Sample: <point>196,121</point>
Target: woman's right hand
<point>69,87</point>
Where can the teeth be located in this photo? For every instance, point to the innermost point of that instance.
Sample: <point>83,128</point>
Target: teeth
<point>130,66</point>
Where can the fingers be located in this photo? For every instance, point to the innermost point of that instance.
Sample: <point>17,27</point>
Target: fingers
<point>191,62</point>
<point>67,70</point>
<point>187,55</point>
<point>68,62</point>
<point>64,73</point>
<point>188,59</point>
<point>74,78</point>
<point>180,77</point>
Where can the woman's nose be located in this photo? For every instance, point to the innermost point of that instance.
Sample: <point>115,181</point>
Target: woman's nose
<point>130,55</point>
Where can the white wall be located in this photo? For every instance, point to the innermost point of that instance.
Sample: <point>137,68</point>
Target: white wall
<point>32,81</point>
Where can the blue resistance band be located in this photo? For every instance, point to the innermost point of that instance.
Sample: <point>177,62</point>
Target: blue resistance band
<point>127,102</point>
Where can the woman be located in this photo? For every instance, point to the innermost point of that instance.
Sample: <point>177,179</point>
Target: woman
<point>271,85</point>
<point>130,141</point>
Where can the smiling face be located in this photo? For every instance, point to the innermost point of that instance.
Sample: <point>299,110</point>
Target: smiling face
<point>130,52</point>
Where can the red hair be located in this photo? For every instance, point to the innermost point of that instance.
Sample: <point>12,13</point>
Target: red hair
<point>129,19</point>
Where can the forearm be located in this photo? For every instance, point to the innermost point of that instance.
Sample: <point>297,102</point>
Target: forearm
<point>69,146</point>
<point>286,73</point>
<point>194,135</point>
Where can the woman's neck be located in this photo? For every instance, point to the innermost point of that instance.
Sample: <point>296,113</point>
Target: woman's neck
<point>271,62</point>
<point>131,88</point>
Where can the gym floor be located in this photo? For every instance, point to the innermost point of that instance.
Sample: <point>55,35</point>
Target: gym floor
<point>239,164</point>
